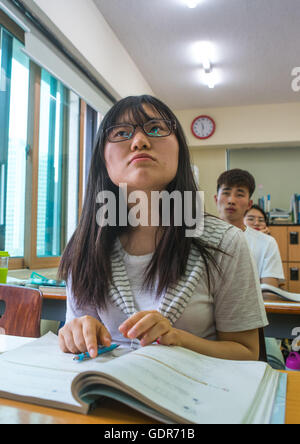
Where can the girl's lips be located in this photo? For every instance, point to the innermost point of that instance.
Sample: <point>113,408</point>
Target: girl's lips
<point>141,158</point>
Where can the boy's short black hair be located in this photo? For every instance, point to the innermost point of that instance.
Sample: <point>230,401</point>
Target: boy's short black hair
<point>235,178</point>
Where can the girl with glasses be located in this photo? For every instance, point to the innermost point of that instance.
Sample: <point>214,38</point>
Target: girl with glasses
<point>149,282</point>
<point>257,219</point>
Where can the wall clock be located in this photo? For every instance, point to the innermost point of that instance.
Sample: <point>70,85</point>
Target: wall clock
<point>203,127</point>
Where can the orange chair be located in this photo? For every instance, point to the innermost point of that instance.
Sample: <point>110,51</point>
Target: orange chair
<point>22,315</point>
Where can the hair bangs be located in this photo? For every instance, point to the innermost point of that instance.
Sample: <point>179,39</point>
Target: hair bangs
<point>133,110</point>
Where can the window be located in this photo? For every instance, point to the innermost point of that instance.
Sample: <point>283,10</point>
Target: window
<point>46,136</point>
<point>58,166</point>
<point>91,130</point>
<point>13,134</point>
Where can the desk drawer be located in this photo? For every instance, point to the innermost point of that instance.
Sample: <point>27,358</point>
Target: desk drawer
<point>293,276</point>
<point>294,244</point>
<point>285,266</point>
<point>281,236</point>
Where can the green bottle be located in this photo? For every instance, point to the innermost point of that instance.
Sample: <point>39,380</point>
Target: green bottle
<point>4,256</point>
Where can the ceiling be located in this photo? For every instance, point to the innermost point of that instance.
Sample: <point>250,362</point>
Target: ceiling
<point>257,44</point>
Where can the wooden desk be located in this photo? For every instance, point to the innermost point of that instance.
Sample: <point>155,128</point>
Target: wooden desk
<point>110,413</point>
<point>114,413</point>
<point>283,316</point>
<point>54,306</point>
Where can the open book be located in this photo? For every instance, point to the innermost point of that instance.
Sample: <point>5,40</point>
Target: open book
<point>281,293</point>
<point>169,384</point>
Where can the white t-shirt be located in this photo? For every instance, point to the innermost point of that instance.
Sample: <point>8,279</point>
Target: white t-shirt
<point>266,254</point>
<point>234,304</point>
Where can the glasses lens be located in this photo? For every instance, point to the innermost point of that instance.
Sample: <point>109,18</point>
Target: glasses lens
<point>261,220</point>
<point>118,133</point>
<point>158,128</point>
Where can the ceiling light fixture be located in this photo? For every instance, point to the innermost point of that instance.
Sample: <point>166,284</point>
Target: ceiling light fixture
<point>205,56</point>
<point>209,78</point>
<point>204,53</point>
<point>206,65</point>
<point>192,3</point>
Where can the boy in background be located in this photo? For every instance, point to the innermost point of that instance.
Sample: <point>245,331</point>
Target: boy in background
<point>234,191</point>
<point>233,199</point>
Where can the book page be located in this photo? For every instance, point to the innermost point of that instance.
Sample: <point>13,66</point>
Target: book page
<point>281,293</point>
<point>11,342</point>
<point>193,387</point>
<point>45,353</point>
<point>51,388</point>
<point>262,407</point>
<point>40,371</point>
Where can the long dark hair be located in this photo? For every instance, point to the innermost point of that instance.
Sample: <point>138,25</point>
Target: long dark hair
<point>86,259</point>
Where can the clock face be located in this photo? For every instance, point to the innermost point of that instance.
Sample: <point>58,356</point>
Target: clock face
<point>203,127</point>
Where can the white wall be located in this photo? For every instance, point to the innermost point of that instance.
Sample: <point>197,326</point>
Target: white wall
<point>274,169</point>
<point>247,125</point>
<point>82,24</point>
<point>211,163</point>
<point>263,126</point>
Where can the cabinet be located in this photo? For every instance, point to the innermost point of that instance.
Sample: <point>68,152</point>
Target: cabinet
<point>288,239</point>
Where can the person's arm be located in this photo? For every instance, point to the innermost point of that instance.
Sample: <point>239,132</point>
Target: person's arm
<point>272,272</point>
<point>241,346</point>
<point>270,281</point>
<point>151,326</point>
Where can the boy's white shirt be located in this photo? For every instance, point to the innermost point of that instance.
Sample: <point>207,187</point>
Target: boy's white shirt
<point>266,254</point>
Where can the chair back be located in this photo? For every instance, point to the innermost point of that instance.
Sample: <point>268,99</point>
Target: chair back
<point>22,315</point>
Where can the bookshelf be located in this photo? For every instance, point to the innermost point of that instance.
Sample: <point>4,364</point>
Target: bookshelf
<point>288,239</point>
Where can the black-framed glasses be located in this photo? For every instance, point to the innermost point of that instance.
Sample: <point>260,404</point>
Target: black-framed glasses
<point>261,220</point>
<point>152,128</point>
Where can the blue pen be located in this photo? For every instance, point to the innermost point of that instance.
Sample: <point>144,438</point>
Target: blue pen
<point>101,351</point>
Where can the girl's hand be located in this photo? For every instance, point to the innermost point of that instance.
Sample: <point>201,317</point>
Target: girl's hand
<point>150,326</point>
<point>266,230</point>
<point>83,335</point>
